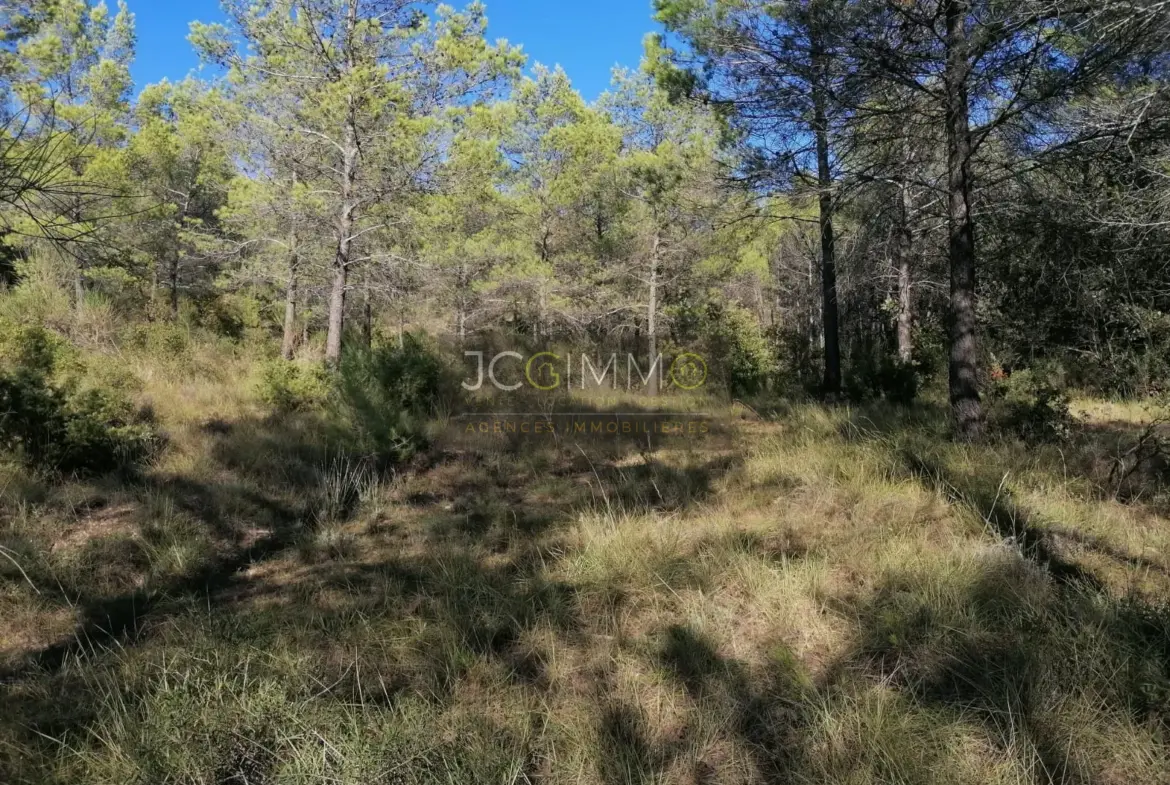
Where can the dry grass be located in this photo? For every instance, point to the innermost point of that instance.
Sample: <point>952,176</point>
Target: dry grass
<point>809,596</point>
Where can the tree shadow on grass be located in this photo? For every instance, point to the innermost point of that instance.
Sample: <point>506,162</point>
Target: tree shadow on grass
<point>1029,658</point>
<point>1018,641</point>
<point>993,503</point>
<point>475,590</point>
<point>762,708</point>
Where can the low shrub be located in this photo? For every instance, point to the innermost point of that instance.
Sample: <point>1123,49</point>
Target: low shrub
<point>57,415</point>
<point>799,362</point>
<point>889,378</point>
<point>61,429</point>
<point>386,393</point>
<point>163,340</point>
<point>739,354</point>
<point>289,386</point>
<point>1031,405</point>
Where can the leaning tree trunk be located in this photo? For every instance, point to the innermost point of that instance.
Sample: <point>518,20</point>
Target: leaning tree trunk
<point>829,309</point>
<point>966,407</point>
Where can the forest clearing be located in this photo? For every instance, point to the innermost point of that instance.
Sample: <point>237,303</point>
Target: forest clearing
<point>377,405</point>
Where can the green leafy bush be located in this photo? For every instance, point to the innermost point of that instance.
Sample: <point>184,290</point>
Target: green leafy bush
<point>58,415</point>
<point>289,386</point>
<point>164,340</point>
<point>798,359</point>
<point>738,349</point>
<point>889,378</point>
<point>386,393</point>
<point>1032,406</point>
<point>61,429</point>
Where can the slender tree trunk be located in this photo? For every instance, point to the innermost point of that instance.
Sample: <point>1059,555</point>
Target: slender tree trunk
<point>173,275</point>
<point>154,287</point>
<point>78,264</point>
<point>904,246</point>
<point>652,313</point>
<point>345,222</point>
<point>905,310</point>
<point>461,305</point>
<point>78,286</point>
<point>289,345</point>
<point>829,310</point>
<point>964,383</point>
<point>401,326</point>
<point>541,313</point>
<point>175,257</point>
<point>367,314</point>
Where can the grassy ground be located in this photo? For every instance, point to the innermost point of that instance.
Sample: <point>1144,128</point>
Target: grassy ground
<point>803,595</point>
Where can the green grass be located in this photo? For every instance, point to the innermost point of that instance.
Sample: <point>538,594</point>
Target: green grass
<point>806,595</point>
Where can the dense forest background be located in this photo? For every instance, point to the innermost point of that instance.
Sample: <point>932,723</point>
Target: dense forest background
<point>840,197</point>
<point>845,197</point>
<point>919,534</point>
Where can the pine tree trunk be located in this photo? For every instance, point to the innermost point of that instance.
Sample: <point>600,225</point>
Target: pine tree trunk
<point>964,361</point>
<point>829,310</point>
<point>78,286</point>
<point>652,314</point>
<point>348,206</point>
<point>367,314</point>
<point>288,346</point>
<point>173,275</point>
<point>904,247</point>
<point>79,266</point>
<point>905,309</point>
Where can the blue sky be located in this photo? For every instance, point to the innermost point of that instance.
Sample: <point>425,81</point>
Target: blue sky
<point>587,38</point>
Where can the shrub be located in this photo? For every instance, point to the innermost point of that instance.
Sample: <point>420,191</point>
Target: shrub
<point>232,316</point>
<point>290,386</point>
<point>738,349</point>
<point>58,415</point>
<point>387,392</point>
<point>166,341</point>
<point>896,381</point>
<point>798,359</point>
<point>62,430</point>
<point>1032,406</point>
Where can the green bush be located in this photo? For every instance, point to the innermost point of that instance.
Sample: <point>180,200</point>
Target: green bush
<point>738,349</point>
<point>1032,406</point>
<point>889,378</point>
<point>798,359</point>
<point>60,429</point>
<point>289,386</point>
<point>386,393</point>
<point>164,340</point>
<point>58,415</point>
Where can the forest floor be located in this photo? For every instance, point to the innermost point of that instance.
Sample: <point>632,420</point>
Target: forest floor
<point>804,594</point>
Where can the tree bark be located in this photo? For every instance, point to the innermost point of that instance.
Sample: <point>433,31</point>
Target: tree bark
<point>289,345</point>
<point>829,308</point>
<point>345,221</point>
<point>652,314</point>
<point>904,243</point>
<point>367,314</point>
<point>173,275</point>
<point>966,407</point>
